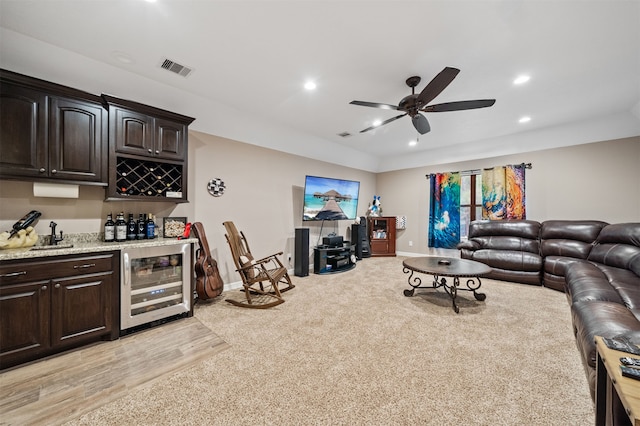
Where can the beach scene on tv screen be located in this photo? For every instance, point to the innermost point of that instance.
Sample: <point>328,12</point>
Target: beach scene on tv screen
<point>330,199</point>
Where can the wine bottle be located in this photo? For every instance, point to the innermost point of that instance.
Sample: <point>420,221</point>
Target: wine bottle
<point>151,227</point>
<point>132,228</point>
<point>121,228</point>
<point>109,229</point>
<point>141,232</point>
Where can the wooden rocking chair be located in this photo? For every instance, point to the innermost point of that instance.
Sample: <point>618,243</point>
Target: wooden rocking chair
<point>264,278</point>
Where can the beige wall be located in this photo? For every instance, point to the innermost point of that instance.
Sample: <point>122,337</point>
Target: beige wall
<point>265,189</point>
<point>593,181</point>
<point>263,197</point>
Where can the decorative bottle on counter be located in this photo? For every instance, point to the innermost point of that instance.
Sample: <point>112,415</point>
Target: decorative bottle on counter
<point>141,232</point>
<point>151,227</point>
<point>132,228</point>
<point>109,229</point>
<point>121,228</point>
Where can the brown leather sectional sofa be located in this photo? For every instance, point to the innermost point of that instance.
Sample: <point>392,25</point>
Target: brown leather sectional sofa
<point>596,264</point>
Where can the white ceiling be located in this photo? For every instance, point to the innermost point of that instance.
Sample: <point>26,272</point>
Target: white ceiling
<point>253,57</point>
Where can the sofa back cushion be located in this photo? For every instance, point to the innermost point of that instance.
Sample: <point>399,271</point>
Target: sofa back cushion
<point>618,245</point>
<point>569,238</point>
<point>516,235</point>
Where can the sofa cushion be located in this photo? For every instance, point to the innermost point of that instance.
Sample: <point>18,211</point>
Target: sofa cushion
<point>626,284</point>
<point>577,230</point>
<point>585,282</point>
<point>509,259</point>
<point>512,228</point>
<point>618,245</point>
<point>557,265</point>
<point>554,271</point>
<point>507,243</point>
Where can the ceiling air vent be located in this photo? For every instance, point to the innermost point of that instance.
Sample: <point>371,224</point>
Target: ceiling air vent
<point>344,134</point>
<point>175,67</point>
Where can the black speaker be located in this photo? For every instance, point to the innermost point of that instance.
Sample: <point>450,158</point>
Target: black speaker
<point>360,239</point>
<point>301,255</point>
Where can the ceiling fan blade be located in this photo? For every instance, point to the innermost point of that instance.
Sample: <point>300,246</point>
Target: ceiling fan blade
<point>383,123</point>
<point>374,105</point>
<point>460,105</point>
<point>437,85</point>
<point>421,123</point>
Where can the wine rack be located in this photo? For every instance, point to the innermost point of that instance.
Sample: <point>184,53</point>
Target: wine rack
<point>141,178</point>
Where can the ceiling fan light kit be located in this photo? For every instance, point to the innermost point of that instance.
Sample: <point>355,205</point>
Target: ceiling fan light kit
<point>413,104</point>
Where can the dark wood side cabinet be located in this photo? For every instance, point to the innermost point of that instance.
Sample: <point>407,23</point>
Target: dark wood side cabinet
<point>148,152</point>
<point>382,236</point>
<point>50,132</point>
<point>51,304</point>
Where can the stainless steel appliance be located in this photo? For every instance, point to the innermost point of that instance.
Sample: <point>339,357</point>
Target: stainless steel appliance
<point>156,284</point>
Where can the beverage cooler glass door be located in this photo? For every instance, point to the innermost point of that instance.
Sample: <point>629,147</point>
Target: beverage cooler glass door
<point>156,284</point>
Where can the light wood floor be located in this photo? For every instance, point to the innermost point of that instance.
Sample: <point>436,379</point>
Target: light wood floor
<point>64,387</point>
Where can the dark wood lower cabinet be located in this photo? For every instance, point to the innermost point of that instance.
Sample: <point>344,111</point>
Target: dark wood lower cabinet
<point>24,322</point>
<point>48,305</point>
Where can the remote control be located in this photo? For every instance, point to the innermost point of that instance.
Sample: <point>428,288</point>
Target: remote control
<point>630,362</point>
<point>630,372</point>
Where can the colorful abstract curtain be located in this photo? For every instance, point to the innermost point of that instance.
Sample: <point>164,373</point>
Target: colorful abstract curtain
<point>503,193</point>
<point>444,210</point>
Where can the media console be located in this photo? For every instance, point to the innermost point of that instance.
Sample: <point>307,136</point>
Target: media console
<point>329,260</point>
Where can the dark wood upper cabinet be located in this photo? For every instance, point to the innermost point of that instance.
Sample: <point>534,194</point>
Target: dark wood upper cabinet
<point>51,132</point>
<point>23,131</point>
<point>148,152</point>
<point>146,131</point>
<point>76,133</point>
<point>170,138</point>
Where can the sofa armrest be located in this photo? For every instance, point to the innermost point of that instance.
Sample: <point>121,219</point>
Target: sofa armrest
<point>468,245</point>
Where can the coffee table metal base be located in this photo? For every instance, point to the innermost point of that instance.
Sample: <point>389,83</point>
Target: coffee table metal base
<point>472,283</point>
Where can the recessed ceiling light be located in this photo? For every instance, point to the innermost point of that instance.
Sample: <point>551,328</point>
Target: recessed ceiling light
<point>524,120</point>
<point>310,85</point>
<point>413,143</point>
<point>521,79</point>
<point>377,122</point>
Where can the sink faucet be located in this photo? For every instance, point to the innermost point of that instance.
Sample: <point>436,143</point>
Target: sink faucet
<point>54,240</point>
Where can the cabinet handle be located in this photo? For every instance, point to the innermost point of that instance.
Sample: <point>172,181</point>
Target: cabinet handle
<point>86,265</point>
<point>54,171</point>
<point>157,151</point>
<point>57,286</point>
<point>150,150</point>
<point>42,170</point>
<point>13,274</point>
<point>44,288</point>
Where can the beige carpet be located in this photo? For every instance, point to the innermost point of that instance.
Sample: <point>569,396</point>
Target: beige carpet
<point>351,349</point>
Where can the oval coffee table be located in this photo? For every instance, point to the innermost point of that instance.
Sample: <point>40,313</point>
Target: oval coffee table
<point>446,267</point>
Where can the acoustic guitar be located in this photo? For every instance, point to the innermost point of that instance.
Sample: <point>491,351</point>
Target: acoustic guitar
<point>208,282</point>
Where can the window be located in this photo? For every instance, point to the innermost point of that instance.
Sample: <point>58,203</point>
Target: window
<point>470,201</point>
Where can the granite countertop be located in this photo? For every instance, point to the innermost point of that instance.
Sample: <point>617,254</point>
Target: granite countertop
<point>84,244</point>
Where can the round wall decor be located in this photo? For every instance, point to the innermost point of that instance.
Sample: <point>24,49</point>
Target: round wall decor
<point>216,187</point>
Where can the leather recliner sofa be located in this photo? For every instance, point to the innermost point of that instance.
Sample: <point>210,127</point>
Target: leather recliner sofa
<point>596,264</point>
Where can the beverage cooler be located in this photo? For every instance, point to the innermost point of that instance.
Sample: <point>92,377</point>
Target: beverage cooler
<point>156,284</point>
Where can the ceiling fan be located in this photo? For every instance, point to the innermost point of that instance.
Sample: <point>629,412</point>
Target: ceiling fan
<point>413,104</point>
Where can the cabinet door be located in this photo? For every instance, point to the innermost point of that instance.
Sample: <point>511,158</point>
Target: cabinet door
<point>24,322</point>
<point>81,308</point>
<point>76,132</point>
<point>23,144</point>
<point>170,139</point>
<point>133,132</point>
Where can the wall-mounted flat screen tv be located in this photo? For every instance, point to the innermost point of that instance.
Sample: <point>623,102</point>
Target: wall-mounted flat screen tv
<point>330,199</point>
